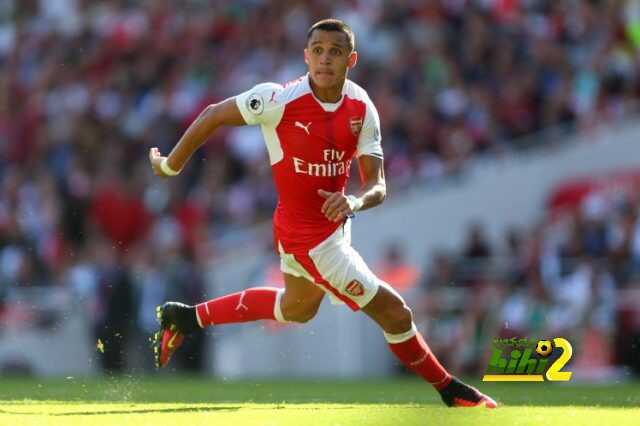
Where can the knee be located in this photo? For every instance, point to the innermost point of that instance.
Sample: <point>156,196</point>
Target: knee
<point>300,313</point>
<point>403,319</point>
<point>388,309</point>
<point>397,319</point>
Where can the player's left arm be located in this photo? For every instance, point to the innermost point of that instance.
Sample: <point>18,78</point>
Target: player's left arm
<point>337,205</point>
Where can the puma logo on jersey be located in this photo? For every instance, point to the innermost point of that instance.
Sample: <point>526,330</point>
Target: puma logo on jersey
<point>302,126</point>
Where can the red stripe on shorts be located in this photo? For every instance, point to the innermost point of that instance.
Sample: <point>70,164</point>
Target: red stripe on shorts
<point>307,263</point>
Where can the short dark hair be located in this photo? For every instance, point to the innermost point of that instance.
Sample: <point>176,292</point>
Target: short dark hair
<point>332,24</point>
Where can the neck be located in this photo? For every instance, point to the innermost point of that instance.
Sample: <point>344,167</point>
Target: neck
<point>328,94</point>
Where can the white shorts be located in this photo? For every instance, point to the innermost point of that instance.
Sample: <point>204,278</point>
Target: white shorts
<point>336,268</point>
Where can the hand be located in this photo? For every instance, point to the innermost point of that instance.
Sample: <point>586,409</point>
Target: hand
<point>336,206</point>
<point>155,158</point>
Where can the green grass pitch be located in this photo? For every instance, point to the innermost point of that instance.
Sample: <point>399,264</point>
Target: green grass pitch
<point>191,401</point>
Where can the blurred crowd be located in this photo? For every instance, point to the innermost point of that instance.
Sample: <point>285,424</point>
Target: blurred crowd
<point>87,87</point>
<point>574,275</point>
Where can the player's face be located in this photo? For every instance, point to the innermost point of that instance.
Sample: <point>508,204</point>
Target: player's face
<point>328,56</point>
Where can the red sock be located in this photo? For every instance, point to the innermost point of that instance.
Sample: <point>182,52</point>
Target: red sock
<point>415,354</point>
<point>249,305</point>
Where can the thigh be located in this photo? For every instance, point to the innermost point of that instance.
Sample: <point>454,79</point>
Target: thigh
<point>350,279</point>
<point>335,268</point>
<point>301,291</point>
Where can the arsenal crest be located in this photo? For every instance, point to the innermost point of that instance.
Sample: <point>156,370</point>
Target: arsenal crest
<point>355,288</point>
<point>356,125</point>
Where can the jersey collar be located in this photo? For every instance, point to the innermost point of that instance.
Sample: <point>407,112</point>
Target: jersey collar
<point>327,106</point>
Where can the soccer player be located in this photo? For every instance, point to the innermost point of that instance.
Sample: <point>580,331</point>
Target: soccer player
<point>313,127</point>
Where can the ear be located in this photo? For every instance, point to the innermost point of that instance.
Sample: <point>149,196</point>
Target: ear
<point>353,59</point>
<point>306,56</point>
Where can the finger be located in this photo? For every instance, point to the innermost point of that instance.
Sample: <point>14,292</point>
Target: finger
<point>324,194</point>
<point>331,203</point>
<point>336,207</point>
<point>153,152</point>
<point>343,211</point>
<point>339,215</point>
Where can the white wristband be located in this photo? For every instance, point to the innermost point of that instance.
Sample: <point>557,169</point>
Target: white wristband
<point>354,202</point>
<point>166,169</point>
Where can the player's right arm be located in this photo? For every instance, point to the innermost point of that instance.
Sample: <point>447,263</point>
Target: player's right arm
<point>225,113</point>
<point>255,106</point>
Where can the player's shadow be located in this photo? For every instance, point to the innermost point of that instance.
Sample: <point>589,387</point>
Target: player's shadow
<point>150,410</point>
<point>167,410</point>
<point>138,411</point>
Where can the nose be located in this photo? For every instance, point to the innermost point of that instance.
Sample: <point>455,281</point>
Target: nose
<point>325,59</point>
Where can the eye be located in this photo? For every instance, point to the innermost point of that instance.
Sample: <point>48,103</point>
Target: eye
<point>317,50</point>
<point>335,51</point>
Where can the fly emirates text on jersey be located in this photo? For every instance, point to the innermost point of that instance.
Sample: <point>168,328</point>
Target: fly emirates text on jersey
<point>333,165</point>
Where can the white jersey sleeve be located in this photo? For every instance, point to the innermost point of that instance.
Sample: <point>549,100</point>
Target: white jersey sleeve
<point>370,141</point>
<point>260,104</point>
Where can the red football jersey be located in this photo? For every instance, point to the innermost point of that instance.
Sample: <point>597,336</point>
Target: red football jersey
<point>311,145</point>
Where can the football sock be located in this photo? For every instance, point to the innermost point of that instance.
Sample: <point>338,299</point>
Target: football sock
<point>414,353</point>
<point>257,303</point>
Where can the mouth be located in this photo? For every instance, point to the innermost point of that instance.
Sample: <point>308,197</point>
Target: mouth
<point>325,73</point>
